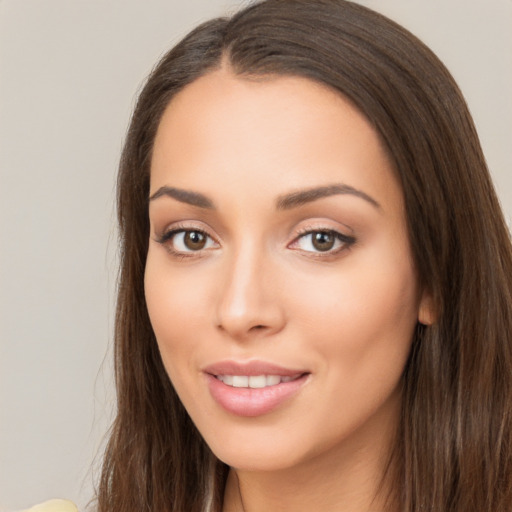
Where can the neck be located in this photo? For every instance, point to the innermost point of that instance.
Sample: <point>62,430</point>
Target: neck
<point>352,477</point>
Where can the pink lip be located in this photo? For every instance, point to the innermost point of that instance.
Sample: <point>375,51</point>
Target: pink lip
<point>250,368</point>
<point>250,402</point>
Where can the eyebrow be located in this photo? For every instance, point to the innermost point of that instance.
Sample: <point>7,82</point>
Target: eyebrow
<point>301,197</point>
<point>284,202</point>
<point>184,196</point>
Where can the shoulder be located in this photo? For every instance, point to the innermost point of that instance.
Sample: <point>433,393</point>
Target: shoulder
<point>53,506</point>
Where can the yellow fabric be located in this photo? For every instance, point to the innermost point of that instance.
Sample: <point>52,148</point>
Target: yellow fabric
<point>53,506</point>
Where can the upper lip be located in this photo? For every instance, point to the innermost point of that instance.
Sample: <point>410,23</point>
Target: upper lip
<point>251,368</point>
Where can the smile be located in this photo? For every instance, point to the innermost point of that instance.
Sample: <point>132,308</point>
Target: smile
<point>253,388</point>
<point>254,381</point>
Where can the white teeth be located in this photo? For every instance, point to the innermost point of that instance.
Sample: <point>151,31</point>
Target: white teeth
<point>257,381</point>
<point>273,380</point>
<point>240,381</point>
<point>254,381</point>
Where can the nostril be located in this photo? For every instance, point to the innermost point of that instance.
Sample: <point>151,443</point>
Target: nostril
<point>257,327</point>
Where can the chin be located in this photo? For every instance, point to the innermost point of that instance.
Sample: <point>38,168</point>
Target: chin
<point>258,460</point>
<point>256,449</point>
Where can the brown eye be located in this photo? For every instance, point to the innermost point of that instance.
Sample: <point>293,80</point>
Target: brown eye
<point>323,241</point>
<point>329,242</point>
<point>182,241</point>
<point>194,240</point>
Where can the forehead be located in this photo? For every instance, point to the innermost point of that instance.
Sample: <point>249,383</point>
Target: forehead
<point>283,130</point>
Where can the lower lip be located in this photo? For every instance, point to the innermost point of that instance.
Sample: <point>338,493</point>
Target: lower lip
<point>251,402</point>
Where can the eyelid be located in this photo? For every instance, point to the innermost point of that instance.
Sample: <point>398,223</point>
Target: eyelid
<point>346,241</point>
<point>343,240</point>
<point>166,236</point>
<point>169,230</point>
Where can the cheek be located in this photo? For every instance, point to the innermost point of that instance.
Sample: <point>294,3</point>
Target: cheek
<point>361,333</point>
<point>364,316</point>
<point>172,298</point>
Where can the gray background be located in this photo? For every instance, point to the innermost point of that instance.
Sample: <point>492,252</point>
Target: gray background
<point>69,72</point>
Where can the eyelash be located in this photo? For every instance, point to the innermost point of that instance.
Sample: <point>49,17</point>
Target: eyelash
<point>166,240</point>
<point>346,241</point>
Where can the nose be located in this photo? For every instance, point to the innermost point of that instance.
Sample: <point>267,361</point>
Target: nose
<point>249,302</point>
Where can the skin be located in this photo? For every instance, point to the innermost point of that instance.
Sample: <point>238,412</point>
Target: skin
<point>259,289</point>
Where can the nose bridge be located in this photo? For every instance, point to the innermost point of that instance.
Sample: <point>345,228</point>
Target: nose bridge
<point>247,303</point>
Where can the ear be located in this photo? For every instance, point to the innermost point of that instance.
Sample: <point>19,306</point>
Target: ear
<point>427,311</point>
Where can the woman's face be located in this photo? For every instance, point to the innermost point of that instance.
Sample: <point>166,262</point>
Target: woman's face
<point>279,279</point>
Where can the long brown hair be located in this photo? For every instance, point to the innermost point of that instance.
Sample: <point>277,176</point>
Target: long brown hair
<point>454,448</point>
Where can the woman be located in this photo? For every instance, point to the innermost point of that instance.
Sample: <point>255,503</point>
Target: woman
<point>314,307</point>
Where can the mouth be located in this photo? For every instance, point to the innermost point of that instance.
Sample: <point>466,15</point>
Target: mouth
<point>255,381</point>
<point>253,388</point>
